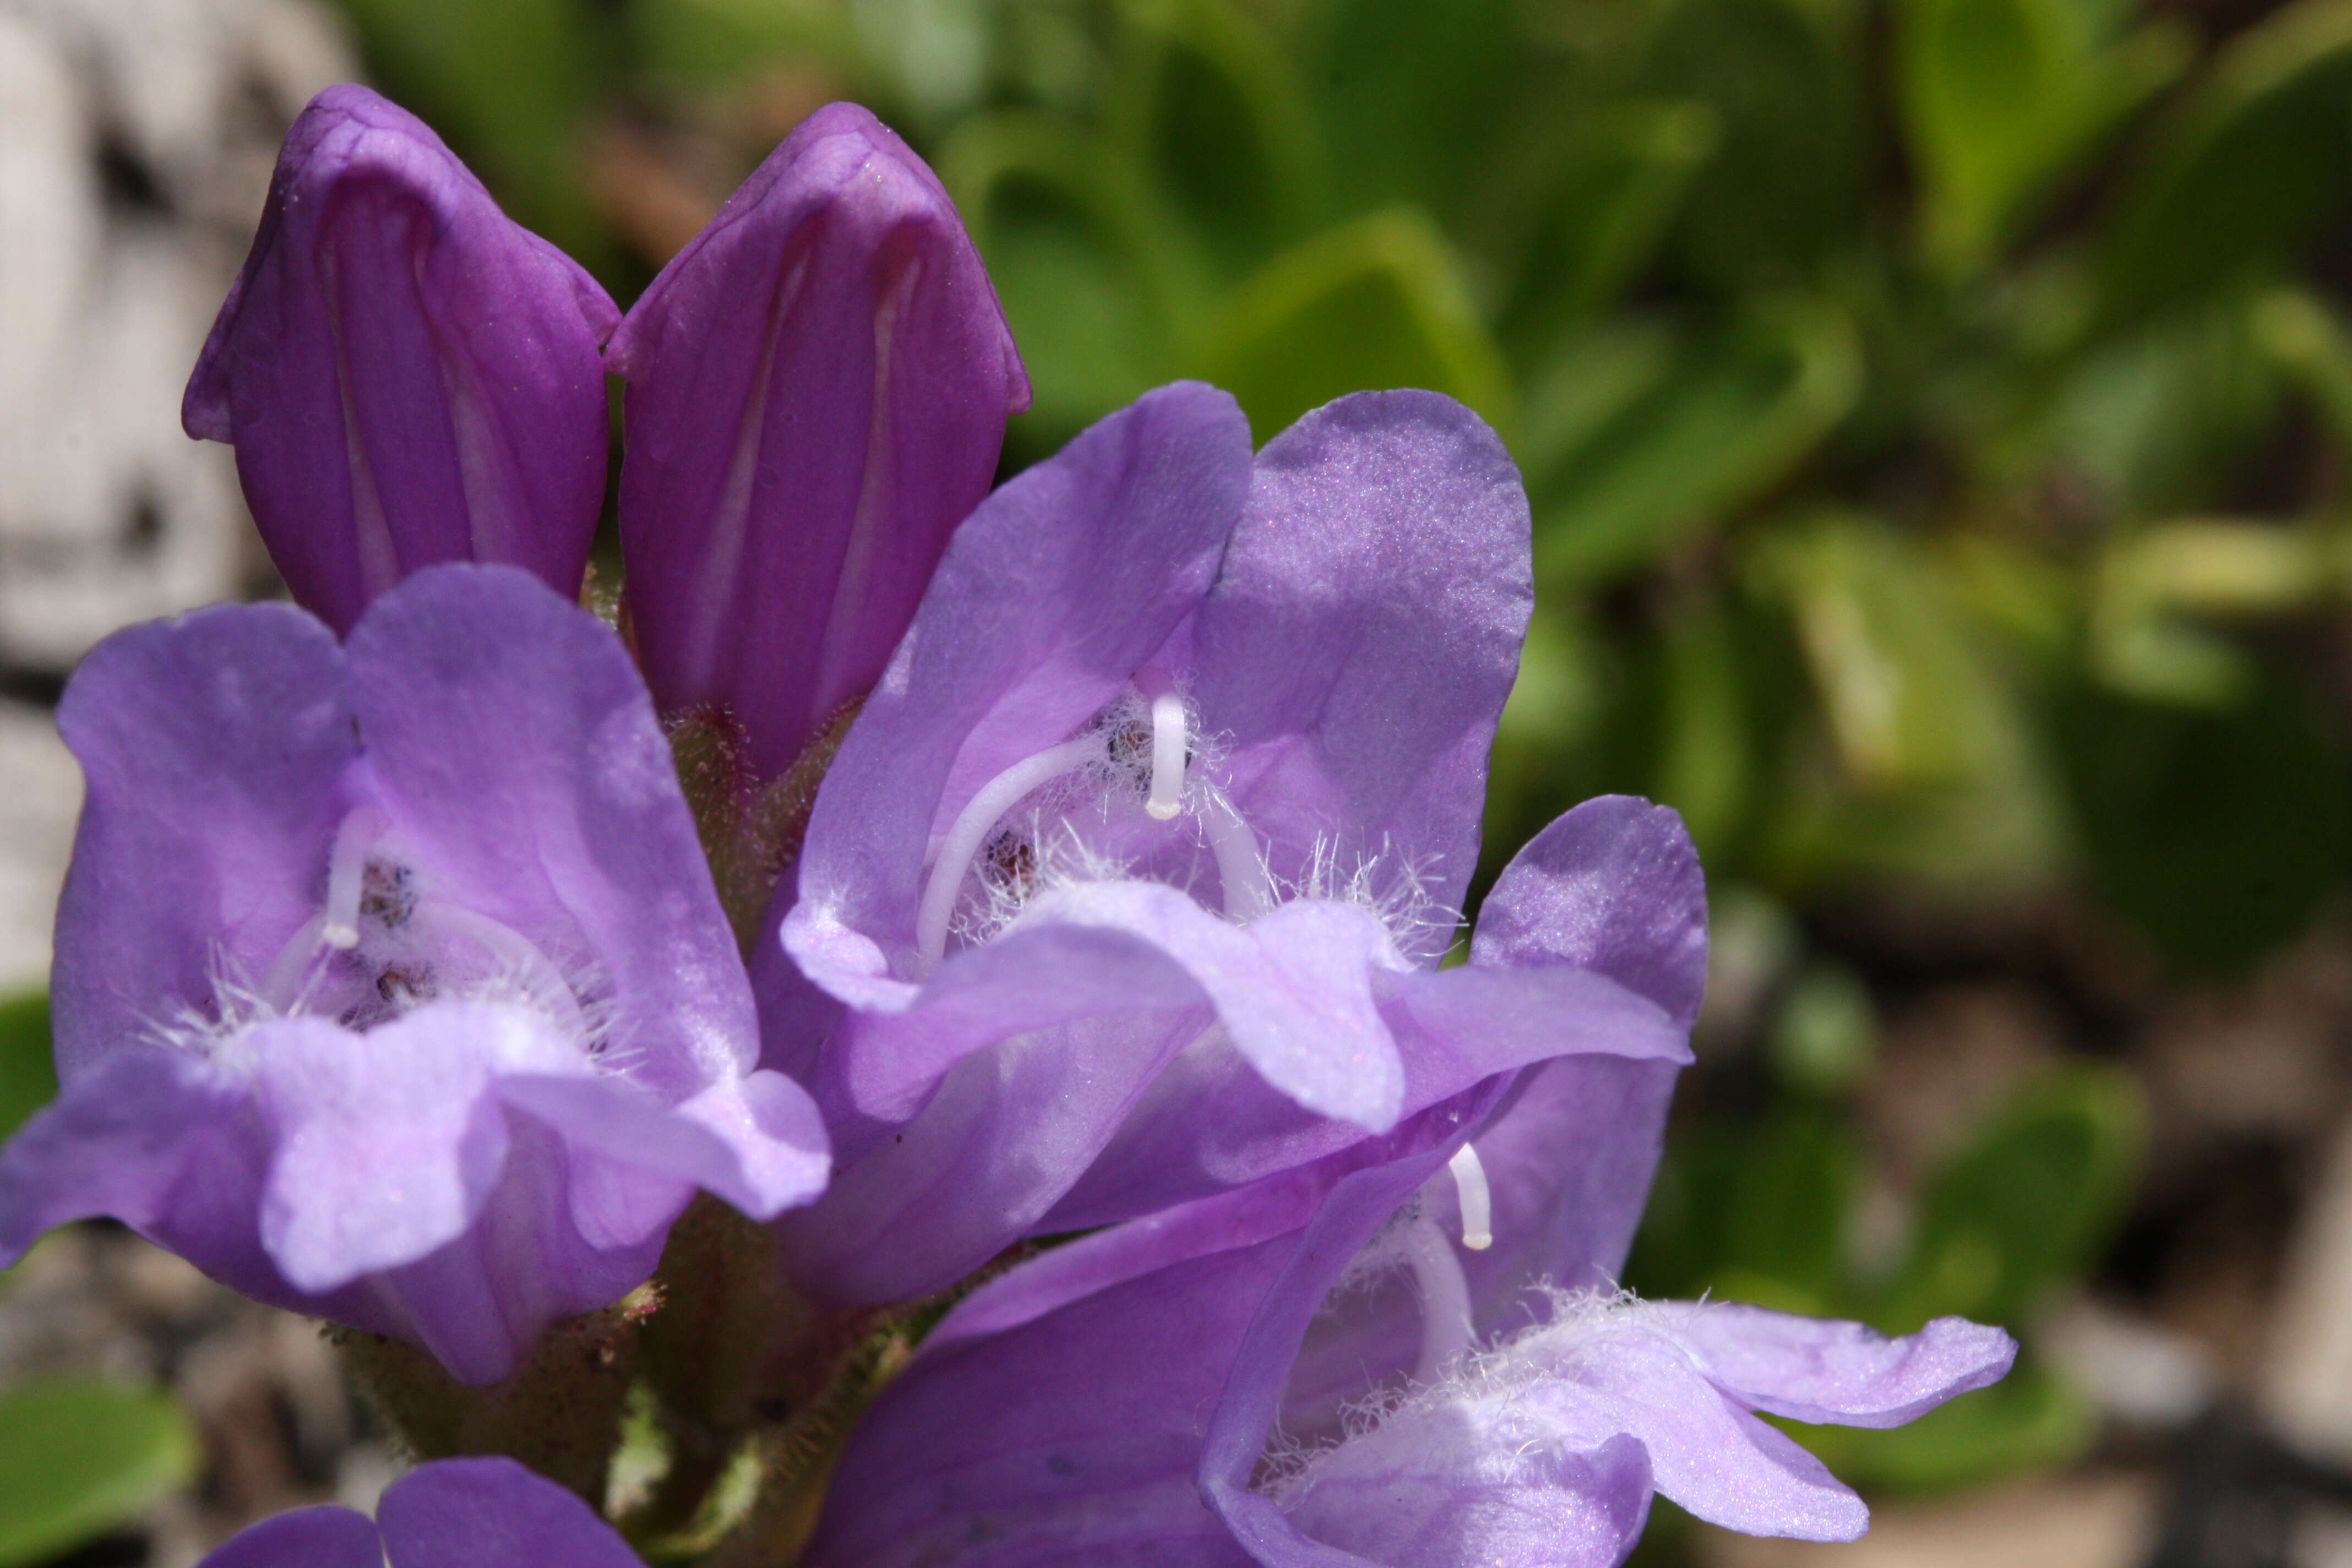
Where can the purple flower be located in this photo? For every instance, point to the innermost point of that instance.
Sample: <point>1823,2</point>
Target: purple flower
<point>1404,1354</point>
<point>391,986</point>
<point>407,377</point>
<point>818,386</point>
<point>1128,883</point>
<point>458,1514</point>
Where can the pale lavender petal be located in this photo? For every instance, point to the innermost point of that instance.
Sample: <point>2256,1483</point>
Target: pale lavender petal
<point>407,377</point>
<point>1364,631</point>
<point>145,1135</point>
<point>324,1537</point>
<point>818,385</point>
<point>1812,1369</point>
<point>1713,1458</point>
<point>1059,587</point>
<point>1546,1508</point>
<point>493,1513</point>
<point>1211,1121</point>
<point>756,1141</point>
<point>235,717</point>
<point>1615,887</point>
<point>387,1143</point>
<point>508,733</point>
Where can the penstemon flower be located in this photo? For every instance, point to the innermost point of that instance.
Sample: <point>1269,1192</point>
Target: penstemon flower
<point>1406,1354</point>
<point>1133,873</point>
<point>391,986</point>
<point>1094,848</point>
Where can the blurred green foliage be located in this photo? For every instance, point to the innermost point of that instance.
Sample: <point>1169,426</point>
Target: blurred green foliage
<point>79,1457</point>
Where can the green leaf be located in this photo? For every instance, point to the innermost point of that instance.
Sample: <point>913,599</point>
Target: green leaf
<point>2217,833</point>
<point>1378,303</point>
<point>1785,187</point>
<point>1826,1037</point>
<point>78,1457</point>
<point>1210,105</point>
<point>2028,1203</point>
<point>29,1076</point>
<point>508,84</point>
<point>2001,97</point>
<point>1924,763</point>
<point>1594,213</point>
<point>2030,1420</point>
<point>1410,93</point>
<point>2255,159</point>
<point>1729,420</point>
<point>1090,282</point>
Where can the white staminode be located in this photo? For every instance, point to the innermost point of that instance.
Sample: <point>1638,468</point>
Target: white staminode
<point>1168,747</point>
<point>1448,1331</point>
<point>1116,743</point>
<point>347,876</point>
<point>970,830</point>
<point>1477,1199</point>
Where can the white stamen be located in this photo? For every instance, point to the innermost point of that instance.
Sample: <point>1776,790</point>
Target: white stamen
<point>1477,1199</point>
<point>972,828</point>
<point>531,968</point>
<point>347,876</point>
<point>1248,885</point>
<point>1168,739</point>
<point>1446,1328</point>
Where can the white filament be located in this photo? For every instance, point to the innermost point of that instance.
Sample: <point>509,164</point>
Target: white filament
<point>1447,1332</point>
<point>347,876</point>
<point>1168,739</point>
<point>1248,885</point>
<point>1477,1200</point>
<point>970,830</point>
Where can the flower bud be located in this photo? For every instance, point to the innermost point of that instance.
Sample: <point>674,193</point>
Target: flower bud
<point>817,391</point>
<point>407,377</point>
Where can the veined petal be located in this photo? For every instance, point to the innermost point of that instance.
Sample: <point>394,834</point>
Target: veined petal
<point>1060,586</point>
<point>818,385</point>
<point>492,1513</point>
<point>237,716</point>
<point>407,377</point>
<point>1364,630</point>
<point>323,1537</point>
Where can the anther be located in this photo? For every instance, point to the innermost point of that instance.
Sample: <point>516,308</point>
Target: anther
<point>347,876</point>
<point>1168,747</point>
<point>1476,1198</point>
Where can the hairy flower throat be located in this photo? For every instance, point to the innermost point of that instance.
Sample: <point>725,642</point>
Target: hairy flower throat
<point>1154,749</point>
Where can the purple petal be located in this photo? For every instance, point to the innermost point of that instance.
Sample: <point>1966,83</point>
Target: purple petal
<point>1059,587</point>
<point>1209,1122</point>
<point>508,733</point>
<point>1364,631</point>
<point>1073,1432</point>
<point>150,1136</point>
<point>1713,1458</point>
<point>1557,1509</point>
<point>818,386</point>
<point>406,376</point>
<point>1812,1370</point>
<point>1614,886</point>
<point>757,1142</point>
<point>325,1537</point>
<point>232,718</point>
<point>493,1513</point>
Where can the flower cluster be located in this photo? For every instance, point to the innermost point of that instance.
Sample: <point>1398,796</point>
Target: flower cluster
<point>1095,848</point>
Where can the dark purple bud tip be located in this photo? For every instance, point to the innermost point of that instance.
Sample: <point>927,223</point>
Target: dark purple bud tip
<point>818,386</point>
<point>407,377</point>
